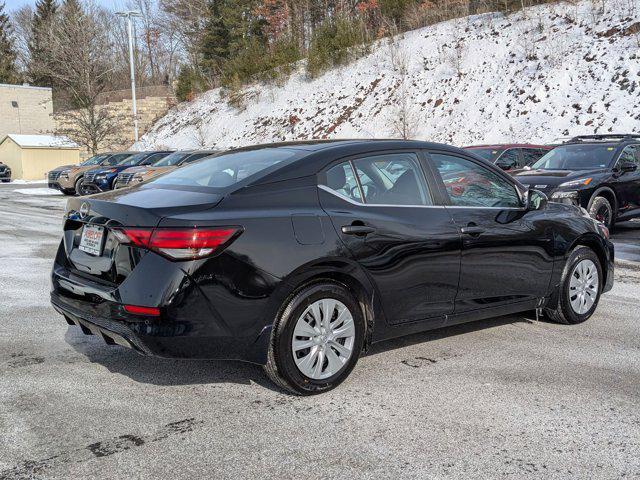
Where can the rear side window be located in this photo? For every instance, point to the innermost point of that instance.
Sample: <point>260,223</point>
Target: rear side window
<point>227,169</point>
<point>394,179</point>
<point>470,185</point>
<point>156,157</point>
<point>342,180</point>
<point>391,179</point>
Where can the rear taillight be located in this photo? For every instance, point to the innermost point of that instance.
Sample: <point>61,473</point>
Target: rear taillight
<point>179,243</point>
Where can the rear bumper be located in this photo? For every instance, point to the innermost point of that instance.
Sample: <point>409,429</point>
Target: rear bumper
<point>190,325</point>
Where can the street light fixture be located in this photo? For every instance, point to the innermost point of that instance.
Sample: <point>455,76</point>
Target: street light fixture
<point>129,14</point>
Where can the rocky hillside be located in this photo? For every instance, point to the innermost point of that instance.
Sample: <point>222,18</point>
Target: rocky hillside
<point>546,72</point>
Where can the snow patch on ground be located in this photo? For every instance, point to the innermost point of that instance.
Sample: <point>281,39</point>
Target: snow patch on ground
<point>37,191</point>
<point>27,182</point>
<point>550,71</point>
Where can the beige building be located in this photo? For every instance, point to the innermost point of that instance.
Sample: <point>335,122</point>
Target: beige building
<point>25,110</point>
<point>30,157</point>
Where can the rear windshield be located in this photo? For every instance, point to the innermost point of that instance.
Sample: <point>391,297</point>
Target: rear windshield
<point>171,159</point>
<point>489,154</point>
<point>576,157</point>
<point>226,169</point>
<point>95,160</point>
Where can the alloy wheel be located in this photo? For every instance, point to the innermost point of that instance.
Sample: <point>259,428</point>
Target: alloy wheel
<point>323,339</point>
<point>583,286</point>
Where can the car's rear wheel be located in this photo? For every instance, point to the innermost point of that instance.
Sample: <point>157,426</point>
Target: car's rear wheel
<point>602,211</point>
<point>580,288</point>
<point>316,339</point>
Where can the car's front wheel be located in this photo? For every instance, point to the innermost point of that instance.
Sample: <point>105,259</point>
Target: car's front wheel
<point>78,186</point>
<point>602,211</point>
<point>580,287</point>
<point>316,339</point>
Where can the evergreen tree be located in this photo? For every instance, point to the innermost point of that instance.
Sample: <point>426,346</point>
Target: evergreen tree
<point>40,41</point>
<point>214,47</point>
<point>8,70</point>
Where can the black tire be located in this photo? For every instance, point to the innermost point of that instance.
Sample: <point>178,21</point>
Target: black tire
<point>78,186</point>
<point>602,211</point>
<point>281,367</point>
<point>564,312</point>
<point>6,180</point>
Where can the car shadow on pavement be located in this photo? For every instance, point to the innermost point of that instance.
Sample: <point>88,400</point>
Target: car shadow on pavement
<point>451,331</point>
<point>172,372</point>
<point>164,371</point>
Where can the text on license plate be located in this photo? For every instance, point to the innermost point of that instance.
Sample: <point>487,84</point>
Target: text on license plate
<point>91,240</point>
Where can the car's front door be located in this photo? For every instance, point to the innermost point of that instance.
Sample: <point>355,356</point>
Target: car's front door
<point>628,183</point>
<point>507,250</point>
<point>381,206</point>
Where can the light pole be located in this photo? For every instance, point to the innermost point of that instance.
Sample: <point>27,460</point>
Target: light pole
<point>129,15</point>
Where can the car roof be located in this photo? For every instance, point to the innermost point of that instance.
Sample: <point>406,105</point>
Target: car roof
<point>509,145</point>
<point>315,155</point>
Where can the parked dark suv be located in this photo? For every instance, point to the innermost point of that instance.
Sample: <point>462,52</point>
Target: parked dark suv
<point>513,157</point>
<point>297,256</point>
<point>597,172</point>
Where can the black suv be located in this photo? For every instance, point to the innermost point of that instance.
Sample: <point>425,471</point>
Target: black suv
<point>5,173</point>
<point>597,172</point>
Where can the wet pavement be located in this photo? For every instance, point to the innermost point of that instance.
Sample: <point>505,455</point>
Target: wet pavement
<point>505,397</point>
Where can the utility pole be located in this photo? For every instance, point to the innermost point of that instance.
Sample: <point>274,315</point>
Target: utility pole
<point>129,15</point>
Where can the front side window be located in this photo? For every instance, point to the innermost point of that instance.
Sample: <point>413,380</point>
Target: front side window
<point>509,159</point>
<point>471,185</point>
<point>95,160</point>
<point>631,153</point>
<point>532,155</point>
<point>156,157</point>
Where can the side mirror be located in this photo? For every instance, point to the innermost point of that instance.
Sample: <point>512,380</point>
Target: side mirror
<point>536,200</point>
<point>628,167</point>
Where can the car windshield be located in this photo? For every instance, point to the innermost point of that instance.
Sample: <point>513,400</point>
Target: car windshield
<point>225,170</point>
<point>133,159</point>
<point>172,159</point>
<point>112,160</point>
<point>576,157</point>
<point>489,154</point>
<point>95,160</point>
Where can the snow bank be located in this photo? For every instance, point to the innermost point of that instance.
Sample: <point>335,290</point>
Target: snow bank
<point>550,71</point>
<point>37,191</point>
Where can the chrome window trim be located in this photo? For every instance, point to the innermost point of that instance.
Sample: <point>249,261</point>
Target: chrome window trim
<point>353,202</point>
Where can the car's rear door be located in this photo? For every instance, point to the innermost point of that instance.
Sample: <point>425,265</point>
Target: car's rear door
<point>507,250</point>
<point>386,217</point>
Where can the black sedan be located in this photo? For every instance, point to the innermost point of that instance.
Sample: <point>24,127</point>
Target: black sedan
<point>299,256</point>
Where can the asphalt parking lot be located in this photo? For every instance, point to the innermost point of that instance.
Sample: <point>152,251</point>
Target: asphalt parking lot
<point>507,397</point>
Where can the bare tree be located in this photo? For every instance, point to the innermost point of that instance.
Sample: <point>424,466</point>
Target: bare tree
<point>94,127</point>
<point>79,62</point>
<point>404,118</point>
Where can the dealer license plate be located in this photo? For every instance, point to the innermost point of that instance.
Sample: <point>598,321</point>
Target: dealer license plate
<point>91,240</point>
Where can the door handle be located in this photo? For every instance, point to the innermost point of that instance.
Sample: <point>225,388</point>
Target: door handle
<point>472,230</point>
<point>357,230</point>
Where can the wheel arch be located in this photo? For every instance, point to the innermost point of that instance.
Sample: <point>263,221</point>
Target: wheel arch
<point>609,194</point>
<point>592,241</point>
<point>341,271</point>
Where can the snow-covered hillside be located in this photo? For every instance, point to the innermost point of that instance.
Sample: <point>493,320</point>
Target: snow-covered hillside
<point>550,71</point>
